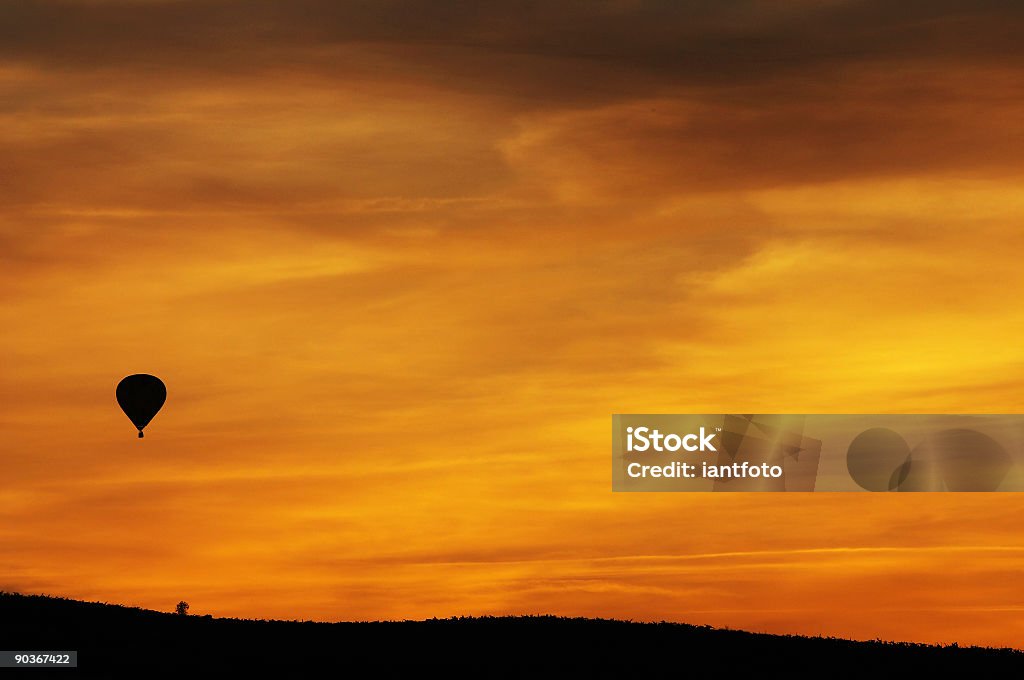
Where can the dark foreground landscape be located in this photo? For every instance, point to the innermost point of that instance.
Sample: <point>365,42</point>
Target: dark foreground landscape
<point>114,641</point>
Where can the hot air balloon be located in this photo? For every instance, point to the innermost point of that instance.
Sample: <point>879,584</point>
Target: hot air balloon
<point>140,397</point>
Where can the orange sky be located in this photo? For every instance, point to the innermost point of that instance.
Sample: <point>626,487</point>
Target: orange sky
<point>399,264</point>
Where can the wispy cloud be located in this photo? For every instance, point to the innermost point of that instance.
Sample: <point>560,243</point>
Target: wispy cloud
<point>398,263</point>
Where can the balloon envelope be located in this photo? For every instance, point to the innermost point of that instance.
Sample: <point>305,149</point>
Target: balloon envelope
<point>140,397</point>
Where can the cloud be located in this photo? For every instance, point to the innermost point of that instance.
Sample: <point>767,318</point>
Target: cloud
<point>398,262</point>
<point>655,31</point>
<point>575,51</point>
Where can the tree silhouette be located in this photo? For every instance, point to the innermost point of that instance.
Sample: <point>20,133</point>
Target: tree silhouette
<point>182,608</point>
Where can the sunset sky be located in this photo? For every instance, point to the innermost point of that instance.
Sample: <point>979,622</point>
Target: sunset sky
<point>399,262</point>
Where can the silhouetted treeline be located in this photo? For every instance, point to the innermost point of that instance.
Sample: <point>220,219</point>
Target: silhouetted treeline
<point>116,641</point>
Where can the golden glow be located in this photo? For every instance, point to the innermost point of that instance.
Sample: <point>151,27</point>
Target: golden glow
<point>396,303</point>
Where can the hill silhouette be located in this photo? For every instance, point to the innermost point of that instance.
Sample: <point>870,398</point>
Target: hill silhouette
<point>117,641</point>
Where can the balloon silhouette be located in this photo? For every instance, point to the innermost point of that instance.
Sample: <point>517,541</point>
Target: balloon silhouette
<point>140,396</point>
